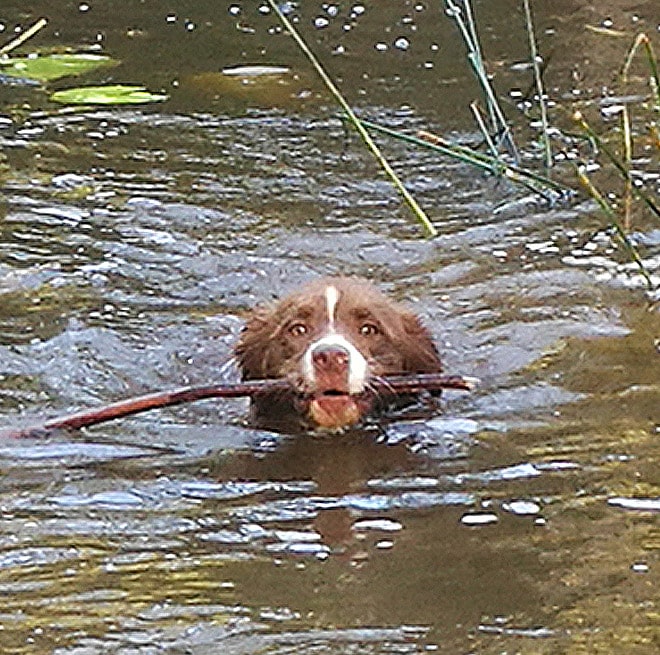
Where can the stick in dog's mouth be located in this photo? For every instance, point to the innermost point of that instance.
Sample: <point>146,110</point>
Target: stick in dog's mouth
<point>403,384</point>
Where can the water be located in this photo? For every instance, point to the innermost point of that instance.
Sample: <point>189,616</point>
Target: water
<point>134,241</point>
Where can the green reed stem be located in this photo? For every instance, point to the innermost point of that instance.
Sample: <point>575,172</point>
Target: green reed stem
<point>643,40</point>
<point>355,121</point>
<point>477,159</point>
<point>471,27</point>
<point>627,163</point>
<point>474,108</point>
<point>24,36</point>
<point>468,31</point>
<point>653,64</point>
<point>612,215</point>
<point>540,92</point>
<point>579,119</point>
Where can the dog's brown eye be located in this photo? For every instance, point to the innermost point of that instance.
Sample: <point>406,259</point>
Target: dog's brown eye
<point>369,329</point>
<point>297,329</point>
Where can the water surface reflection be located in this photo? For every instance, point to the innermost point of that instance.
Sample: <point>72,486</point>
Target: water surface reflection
<point>133,242</point>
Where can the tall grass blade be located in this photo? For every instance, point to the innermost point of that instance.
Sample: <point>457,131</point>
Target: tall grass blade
<point>611,214</point>
<point>617,163</point>
<point>474,108</point>
<point>643,40</point>
<point>540,92</point>
<point>354,120</point>
<point>24,36</point>
<point>469,33</point>
<point>653,64</point>
<point>627,163</point>
<point>471,27</point>
<point>477,159</point>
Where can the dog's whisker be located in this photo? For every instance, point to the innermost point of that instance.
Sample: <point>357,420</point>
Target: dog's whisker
<point>380,384</point>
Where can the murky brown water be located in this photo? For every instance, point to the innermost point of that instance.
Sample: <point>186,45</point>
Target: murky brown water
<point>524,519</point>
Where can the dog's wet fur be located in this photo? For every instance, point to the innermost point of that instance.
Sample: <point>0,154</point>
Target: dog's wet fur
<point>330,339</point>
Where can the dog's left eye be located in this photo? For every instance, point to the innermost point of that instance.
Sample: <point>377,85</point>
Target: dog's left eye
<point>297,329</point>
<point>369,329</point>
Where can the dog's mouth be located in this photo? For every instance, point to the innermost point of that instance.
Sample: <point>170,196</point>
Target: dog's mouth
<point>334,409</point>
<point>333,392</point>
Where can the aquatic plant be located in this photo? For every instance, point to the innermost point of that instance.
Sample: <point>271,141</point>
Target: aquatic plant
<point>109,94</point>
<point>355,121</point>
<point>464,19</point>
<point>40,67</point>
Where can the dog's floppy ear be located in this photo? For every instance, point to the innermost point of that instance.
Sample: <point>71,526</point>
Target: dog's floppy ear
<point>419,352</point>
<point>254,345</point>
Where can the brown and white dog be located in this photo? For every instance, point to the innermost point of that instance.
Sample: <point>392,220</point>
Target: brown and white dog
<point>330,339</point>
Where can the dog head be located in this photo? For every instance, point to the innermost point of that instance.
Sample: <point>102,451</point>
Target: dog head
<point>330,339</point>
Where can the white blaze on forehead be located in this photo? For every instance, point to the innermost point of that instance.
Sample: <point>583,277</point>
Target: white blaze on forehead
<point>357,364</point>
<point>331,300</point>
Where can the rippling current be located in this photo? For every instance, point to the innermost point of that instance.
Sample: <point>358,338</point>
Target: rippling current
<point>520,518</point>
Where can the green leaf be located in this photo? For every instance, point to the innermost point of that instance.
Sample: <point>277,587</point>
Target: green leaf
<point>52,67</point>
<point>116,94</point>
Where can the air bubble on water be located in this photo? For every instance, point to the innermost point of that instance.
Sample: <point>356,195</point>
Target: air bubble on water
<point>522,507</point>
<point>287,8</point>
<point>384,525</point>
<point>477,519</point>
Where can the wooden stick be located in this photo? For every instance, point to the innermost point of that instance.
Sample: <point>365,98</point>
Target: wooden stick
<point>397,384</point>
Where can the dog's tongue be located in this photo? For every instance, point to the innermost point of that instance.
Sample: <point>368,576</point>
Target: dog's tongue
<point>334,411</point>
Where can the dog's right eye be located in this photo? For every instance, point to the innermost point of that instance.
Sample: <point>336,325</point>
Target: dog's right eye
<point>297,329</point>
<point>369,330</point>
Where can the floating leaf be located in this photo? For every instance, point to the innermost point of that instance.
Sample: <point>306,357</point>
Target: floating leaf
<point>116,94</point>
<point>52,67</point>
